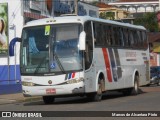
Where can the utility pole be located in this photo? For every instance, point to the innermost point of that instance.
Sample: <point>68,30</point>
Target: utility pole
<point>76,6</point>
<point>52,13</point>
<point>159,5</point>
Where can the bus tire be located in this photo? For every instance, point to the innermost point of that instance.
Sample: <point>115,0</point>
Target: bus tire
<point>135,89</point>
<point>96,97</point>
<point>48,99</point>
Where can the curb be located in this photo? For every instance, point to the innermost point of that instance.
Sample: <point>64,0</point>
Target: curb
<point>31,99</point>
<point>4,101</point>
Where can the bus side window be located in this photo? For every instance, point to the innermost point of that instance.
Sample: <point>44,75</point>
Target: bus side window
<point>89,45</point>
<point>139,38</point>
<point>126,37</point>
<point>99,35</point>
<point>95,26</point>
<point>115,36</point>
<point>144,37</point>
<point>131,39</point>
<point>121,37</point>
<point>104,42</point>
<point>109,35</point>
<point>135,38</point>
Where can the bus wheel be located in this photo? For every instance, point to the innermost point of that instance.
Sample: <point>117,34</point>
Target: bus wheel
<point>98,95</point>
<point>135,89</point>
<point>48,99</point>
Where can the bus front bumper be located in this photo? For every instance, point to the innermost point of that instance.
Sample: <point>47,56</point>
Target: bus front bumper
<point>70,89</point>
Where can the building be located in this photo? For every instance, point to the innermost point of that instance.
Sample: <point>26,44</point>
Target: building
<point>137,7</point>
<point>14,15</point>
<point>102,1</point>
<point>68,7</point>
<point>119,14</point>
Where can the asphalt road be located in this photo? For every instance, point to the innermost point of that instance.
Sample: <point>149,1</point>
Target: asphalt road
<point>148,100</point>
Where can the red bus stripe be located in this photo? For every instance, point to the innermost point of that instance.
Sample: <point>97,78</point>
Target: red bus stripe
<point>73,75</point>
<point>107,64</point>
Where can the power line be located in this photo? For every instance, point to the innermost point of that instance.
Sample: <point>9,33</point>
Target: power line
<point>14,12</point>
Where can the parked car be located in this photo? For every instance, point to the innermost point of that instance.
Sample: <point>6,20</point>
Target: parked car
<point>155,75</point>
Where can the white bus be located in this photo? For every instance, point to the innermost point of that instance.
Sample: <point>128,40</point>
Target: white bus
<point>81,55</point>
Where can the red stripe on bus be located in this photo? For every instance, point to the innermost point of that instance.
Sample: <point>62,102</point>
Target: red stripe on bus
<point>107,64</point>
<point>73,75</point>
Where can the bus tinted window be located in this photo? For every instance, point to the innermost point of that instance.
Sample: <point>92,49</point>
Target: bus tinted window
<point>144,38</point>
<point>126,37</point>
<point>118,36</point>
<point>131,38</point>
<point>89,45</point>
<point>121,37</point>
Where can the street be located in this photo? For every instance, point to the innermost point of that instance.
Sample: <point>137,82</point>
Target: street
<point>148,100</point>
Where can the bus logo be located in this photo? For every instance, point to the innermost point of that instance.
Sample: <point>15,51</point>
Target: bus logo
<point>50,82</point>
<point>70,75</point>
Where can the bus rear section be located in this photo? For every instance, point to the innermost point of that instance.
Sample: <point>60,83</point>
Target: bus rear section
<point>116,58</point>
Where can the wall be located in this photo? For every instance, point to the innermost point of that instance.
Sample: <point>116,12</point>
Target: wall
<point>68,7</point>
<point>9,66</point>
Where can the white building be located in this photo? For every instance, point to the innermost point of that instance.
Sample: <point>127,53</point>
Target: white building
<point>137,7</point>
<point>68,7</point>
<point>104,1</point>
<point>15,13</point>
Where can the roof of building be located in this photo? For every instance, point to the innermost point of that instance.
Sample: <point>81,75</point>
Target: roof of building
<point>103,5</point>
<point>137,1</point>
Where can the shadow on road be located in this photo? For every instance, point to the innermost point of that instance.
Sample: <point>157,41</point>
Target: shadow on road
<point>80,100</point>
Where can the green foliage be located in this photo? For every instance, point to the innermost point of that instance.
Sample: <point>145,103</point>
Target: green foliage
<point>94,3</point>
<point>107,15</point>
<point>4,14</point>
<point>149,21</point>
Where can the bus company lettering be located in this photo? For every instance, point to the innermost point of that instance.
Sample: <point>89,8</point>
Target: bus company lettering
<point>130,54</point>
<point>27,114</point>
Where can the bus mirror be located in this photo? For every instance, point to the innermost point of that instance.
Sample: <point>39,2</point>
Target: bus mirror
<point>82,38</point>
<point>12,44</point>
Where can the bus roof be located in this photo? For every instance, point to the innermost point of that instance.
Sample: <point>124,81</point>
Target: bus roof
<point>77,19</point>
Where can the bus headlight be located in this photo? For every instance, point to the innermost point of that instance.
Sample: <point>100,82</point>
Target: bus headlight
<point>71,81</point>
<point>27,83</point>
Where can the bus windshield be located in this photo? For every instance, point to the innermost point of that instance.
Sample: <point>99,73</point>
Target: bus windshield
<point>51,49</point>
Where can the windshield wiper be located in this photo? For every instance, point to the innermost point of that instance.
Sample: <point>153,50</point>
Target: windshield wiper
<point>59,63</point>
<point>39,65</point>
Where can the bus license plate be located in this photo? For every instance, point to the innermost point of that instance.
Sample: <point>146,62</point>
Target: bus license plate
<point>51,91</point>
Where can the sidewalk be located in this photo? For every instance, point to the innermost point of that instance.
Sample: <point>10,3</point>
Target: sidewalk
<point>15,98</point>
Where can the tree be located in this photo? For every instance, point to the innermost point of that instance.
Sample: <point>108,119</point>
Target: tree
<point>149,21</point>
<point>107,15</point>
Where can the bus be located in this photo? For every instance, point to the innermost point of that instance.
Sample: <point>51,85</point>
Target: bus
<point>81,55</point>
